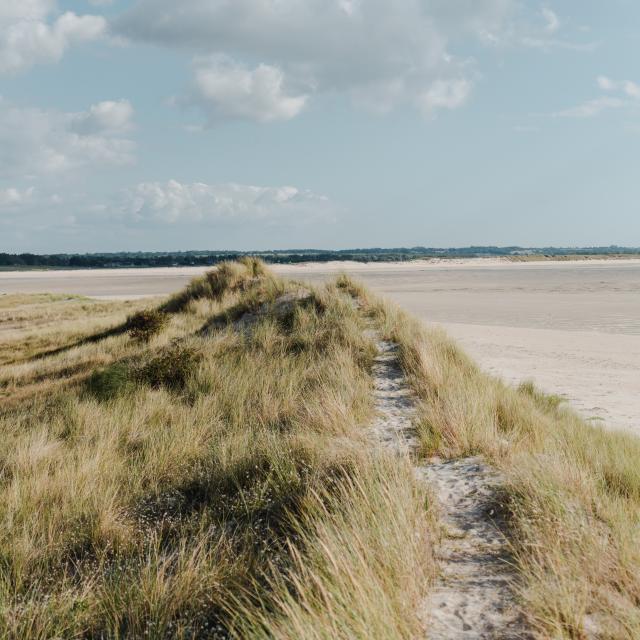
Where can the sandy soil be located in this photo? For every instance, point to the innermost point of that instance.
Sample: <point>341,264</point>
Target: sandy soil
<point>597,372</point>
<point>472,598</point>
<point>572,327</point>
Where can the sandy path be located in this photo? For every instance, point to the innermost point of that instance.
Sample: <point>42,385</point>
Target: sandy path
<point>472,598</point>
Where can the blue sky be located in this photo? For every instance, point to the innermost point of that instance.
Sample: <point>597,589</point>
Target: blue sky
<point>255,124</point>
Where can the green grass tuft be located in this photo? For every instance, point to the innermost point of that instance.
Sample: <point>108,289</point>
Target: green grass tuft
<point>111,382</point>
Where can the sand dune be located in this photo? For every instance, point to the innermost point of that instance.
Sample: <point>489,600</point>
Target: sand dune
<point>572,327</point>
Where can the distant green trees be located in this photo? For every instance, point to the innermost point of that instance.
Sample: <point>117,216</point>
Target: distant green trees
<point>206,258</point>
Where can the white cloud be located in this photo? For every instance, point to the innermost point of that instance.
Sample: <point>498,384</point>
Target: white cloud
<point>225,89</point>
<point>112,116</point>
<point>542,29</point>
<point>628,93</point>
<point>591,108</point>
<point>627,87</point>
<point>13,11</point>
<point>27,37</point>
<point>445,94</point>
<point>605,83</point>
<point>381,54</point>
<point>551,19</point>
<point>174,202</point>
<point>632,89</point>
<point>38,142</point>
<point>12,197</point>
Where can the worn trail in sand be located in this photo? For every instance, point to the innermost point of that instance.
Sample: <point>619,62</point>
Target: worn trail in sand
<point>472,597</point>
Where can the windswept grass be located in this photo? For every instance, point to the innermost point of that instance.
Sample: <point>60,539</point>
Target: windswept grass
<point>212,478</point>
<point>227,277</point>
<point>208,481</point>
<point>32,325</point>
<point>347,556</point>
<point>572,490</point>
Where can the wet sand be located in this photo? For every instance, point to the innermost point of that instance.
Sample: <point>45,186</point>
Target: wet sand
<point>572,327</point>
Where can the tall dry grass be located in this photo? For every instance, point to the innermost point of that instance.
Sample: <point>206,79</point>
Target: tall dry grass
<point>209,481</point>
<point>571,493</point>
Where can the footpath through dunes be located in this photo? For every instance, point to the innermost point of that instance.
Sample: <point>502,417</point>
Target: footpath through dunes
<point>565,494</point>
<point>473,594</point>
<point>212,466</point>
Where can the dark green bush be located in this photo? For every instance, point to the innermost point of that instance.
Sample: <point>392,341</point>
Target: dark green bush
<point>146,324</point>
<point>171,368</point>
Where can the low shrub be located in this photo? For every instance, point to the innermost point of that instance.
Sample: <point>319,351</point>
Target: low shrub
<point>171,368</point>
<point>146,324</point>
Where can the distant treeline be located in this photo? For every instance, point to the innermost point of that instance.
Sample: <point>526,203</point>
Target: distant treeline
<point>203,258</point>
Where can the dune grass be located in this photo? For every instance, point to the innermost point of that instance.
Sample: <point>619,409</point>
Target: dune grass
<point>199,468</point>
<point>208,480</point>
<point>37,323</point>
<point>571,492</point>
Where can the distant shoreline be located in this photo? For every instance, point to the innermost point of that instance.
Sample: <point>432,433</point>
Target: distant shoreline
<point>330,266</point>
<point>345,263</point>
<point>375,255</point>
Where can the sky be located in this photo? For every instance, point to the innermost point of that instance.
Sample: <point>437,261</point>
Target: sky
<point>270,124</point>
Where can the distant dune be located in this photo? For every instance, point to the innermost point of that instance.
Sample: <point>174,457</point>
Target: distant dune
<point>572,327</point>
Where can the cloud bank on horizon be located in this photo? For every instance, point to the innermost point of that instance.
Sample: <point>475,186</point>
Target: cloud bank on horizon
<point>208,123</point>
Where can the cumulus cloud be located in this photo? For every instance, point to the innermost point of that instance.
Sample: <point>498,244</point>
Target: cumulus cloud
<point>110,116</point>
<point>551,19</point>
<point>25,10</point>
<point>226,89</point>
<point>382,54</point>
<point>174,202</point>
<point>11,197</point>
<point>40,142</point>
<point>28,36</point>
<point>625,93</point>
<point>445,94</point>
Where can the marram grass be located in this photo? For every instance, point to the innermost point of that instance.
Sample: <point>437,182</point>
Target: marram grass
<point>202,481</point>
